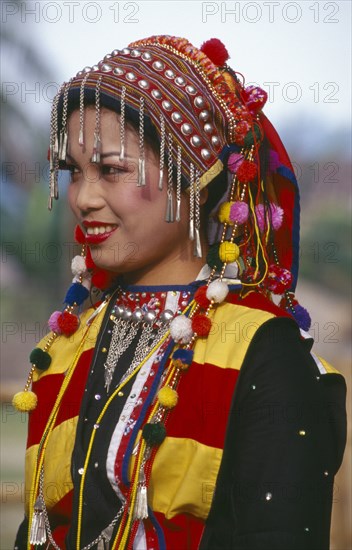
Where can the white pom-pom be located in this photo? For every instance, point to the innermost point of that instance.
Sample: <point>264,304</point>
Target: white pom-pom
<point>86,281</point>
<point>217,291</point>
<point>181,329</point>
<point>78,265</point>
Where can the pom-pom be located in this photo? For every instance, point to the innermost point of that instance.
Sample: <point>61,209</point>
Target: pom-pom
<point>239,212</point>
<point>154,434</point>
<point>181,329</point>
<point>302,317</point>
<point>213,258</point>
<point>76,294</point>
<point>25,401</point>
<point>182,358</point>
<point>201,324</point>
<point>234,162</point>
<point>216,51</point>
<point>253,137</point>
<point>78,265</point>
<point>200,297</point>
<point>89,260</point>
<point>68,323</point>
<point>167,397</point>
<point>247,171</point>
<point>255,98</point>
<point>53,322</point>
<point>40,358</point>
<point>277,214</point>
<point>217,291</point>
<point>80,237</point>
<point>101,279</point>
<point>228,252</point>
<point>278,279</point>
<point>224,212</point>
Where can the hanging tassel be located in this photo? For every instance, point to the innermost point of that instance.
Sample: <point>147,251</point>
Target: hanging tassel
<point>169,216</point>
<point>178,184</point>
<point>122,124</point>
<point>162,152</point>
<point>191,203</point>
<point>141,162</point>
<point>38,531</point>
<point>141,172</point>
<point>95,158</point>
<point>63,145</point>
<point>197,242</point>
<point>141,506</point>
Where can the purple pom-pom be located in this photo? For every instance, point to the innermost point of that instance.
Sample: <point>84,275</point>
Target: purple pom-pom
<point>53,324</point>
<point>277,215</point>
<point>239,212</point>
<point>274,161</point>
<point>76,294</point>
<point>302,317</point>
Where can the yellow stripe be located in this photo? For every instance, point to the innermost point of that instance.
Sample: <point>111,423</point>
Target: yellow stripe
<point>329,368</point>
<point>233,327</point>
<point>183,477</point>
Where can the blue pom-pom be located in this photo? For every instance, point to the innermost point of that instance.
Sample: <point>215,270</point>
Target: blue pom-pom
<point>184,355</point>
<point>302,317</point>
<point>77,293</point>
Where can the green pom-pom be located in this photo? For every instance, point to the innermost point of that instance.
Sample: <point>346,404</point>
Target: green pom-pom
<point>154,434</point>
<point>41,359</point>
<point>25,401</point>
<point>249,138</point>
<point>213,258</point>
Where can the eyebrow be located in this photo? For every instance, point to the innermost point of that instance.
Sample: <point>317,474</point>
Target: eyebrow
<point>102,155</point>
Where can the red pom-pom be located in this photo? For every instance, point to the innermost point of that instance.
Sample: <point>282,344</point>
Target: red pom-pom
<point>200,297</point>
<point>201,324</point>
<point>247,171</point>
<point>216,51</point>
<point>80,237</point>
<point>89,260</point>
<point>278,279</point>
<point>68,323</point>
<point>101,278</point>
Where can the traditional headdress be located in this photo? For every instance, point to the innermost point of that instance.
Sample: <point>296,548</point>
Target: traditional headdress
<point>211,132</point>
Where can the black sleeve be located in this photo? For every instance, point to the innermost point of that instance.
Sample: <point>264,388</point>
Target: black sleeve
<point>285,441</point>
<point>22,536</point>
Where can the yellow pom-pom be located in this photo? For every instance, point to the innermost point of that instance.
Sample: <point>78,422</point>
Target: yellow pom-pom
<point>180,365</point>
<point>167,397</point>
<point>224,213</point>
<point>228,252</point>
<point>25,401</point>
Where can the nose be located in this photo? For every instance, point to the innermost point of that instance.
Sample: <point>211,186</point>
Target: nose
<point>89,196</point>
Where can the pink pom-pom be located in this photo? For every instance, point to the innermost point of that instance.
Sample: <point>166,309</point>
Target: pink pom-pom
<point>53,322</point>
<point>216,51</point>
<point>234,162</point>
<point>239,212</point>
<point>277,214</point>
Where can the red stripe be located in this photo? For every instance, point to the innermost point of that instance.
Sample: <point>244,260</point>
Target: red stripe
<point>205,396</point>
<point>73,397</point>
<point>181,532</point>
<point>47,389</point>
<point>255,300</point>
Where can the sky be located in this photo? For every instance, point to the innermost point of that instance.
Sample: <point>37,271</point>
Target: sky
<point>299,52</point>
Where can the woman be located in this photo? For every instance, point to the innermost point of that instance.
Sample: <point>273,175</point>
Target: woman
<point>183,410</point>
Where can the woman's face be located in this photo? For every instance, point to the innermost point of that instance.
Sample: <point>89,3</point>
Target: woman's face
<point>125,224</point>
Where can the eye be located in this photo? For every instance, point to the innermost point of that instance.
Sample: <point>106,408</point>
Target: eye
<point>113,171</point>
<point>71,168</point>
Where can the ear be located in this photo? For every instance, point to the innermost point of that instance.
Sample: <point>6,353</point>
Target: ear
<point>203,197</point>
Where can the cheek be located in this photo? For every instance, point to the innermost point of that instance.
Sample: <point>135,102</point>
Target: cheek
<point>71,198</point>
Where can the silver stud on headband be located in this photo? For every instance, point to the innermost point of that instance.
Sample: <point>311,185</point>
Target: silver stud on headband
<point>141,160</point>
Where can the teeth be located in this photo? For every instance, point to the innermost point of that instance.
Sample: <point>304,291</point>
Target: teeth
<point>99,230</point>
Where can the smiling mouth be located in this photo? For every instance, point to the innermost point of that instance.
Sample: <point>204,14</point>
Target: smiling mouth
<point>100,230</point>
